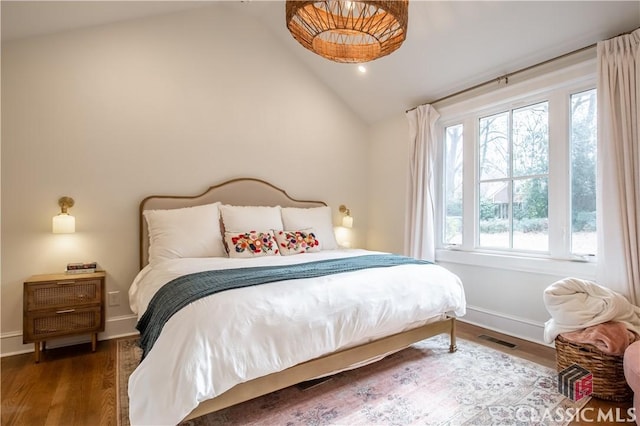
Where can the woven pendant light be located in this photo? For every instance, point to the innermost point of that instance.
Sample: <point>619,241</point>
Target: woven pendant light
<point>348,31</point>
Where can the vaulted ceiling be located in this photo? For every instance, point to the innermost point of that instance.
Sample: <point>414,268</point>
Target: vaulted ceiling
<point>450,45</point>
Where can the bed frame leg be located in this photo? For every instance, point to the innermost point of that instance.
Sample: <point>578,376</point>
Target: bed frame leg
<point>452,337</point>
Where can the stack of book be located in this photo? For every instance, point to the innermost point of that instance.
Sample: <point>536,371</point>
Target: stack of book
<point>81,268</point>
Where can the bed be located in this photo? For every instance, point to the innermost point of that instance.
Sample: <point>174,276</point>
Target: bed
<point>295,307</point>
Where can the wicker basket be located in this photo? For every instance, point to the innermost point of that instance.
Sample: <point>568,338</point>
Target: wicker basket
<point>607,370</point>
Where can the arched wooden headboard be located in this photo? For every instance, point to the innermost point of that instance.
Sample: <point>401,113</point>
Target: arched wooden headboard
<point>237,192</point>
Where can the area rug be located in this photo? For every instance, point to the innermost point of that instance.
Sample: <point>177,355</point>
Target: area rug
<point>423,384</point>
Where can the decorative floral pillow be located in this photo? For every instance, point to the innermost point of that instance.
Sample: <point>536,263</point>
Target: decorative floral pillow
<point>319,219</point>
<point>251,244</point>
<point>294,242</point>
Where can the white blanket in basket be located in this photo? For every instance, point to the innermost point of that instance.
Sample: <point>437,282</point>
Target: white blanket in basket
<point>575,304</point>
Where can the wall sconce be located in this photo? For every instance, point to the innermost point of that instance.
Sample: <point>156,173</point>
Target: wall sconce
<point>347,219</point>
<point>64,223</point>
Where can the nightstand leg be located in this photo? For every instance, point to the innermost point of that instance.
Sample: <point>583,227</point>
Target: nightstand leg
<point>94,341</point>
<point>36,346</point>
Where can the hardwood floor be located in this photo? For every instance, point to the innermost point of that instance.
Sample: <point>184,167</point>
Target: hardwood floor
<point>74,386</point>
<point>70,386</point>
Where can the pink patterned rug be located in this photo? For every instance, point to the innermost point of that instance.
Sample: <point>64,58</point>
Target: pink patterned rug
<point>423,384</point>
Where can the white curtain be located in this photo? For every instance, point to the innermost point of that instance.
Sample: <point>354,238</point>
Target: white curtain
<point>419,229</point>
<point>619,165</point>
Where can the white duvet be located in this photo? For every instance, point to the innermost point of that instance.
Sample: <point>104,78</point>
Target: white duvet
<point>237,335</point>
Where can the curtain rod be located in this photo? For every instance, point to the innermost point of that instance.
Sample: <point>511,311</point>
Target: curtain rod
<point>507,75</point>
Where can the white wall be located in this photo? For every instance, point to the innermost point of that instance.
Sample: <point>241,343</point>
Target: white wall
<point>168,104</point>
<point>389,159</point>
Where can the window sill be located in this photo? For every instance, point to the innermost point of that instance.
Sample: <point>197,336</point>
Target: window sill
<point>537,265</point>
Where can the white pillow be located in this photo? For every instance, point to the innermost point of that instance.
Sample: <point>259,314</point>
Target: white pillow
<point>186,232</point>
<point>318,218</point>
<point>250,218</point>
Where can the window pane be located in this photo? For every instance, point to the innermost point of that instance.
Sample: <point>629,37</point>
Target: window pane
<point>514,164</point>
<point>531,214</point>
<point>494,146</point>
<point>531,140</point>
<point>494,214</point>
<point>453,185</point>
<point>583,172</point>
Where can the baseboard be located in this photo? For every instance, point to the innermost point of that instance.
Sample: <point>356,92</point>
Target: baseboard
<point>521,328</point>
<point>125,325</point>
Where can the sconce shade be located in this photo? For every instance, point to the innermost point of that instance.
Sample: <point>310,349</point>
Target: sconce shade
<point>353,31</point>
<point>343,236</point>
<point>64,223</point>
<point>347,219</point>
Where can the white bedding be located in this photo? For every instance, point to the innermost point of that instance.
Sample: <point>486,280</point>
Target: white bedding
<point>238,335</point>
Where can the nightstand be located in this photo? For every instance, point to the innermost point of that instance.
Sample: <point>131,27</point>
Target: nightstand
<point>57,305</point>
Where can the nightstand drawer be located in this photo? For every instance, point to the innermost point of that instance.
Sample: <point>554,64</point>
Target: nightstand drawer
<point>41,325</point>
<point>50,295</point>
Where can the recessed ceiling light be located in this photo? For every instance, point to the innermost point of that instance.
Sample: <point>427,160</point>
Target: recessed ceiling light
<point>362,69</point>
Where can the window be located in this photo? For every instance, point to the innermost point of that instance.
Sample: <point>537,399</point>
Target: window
<point>519,172</point>
<point>583,173</point>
